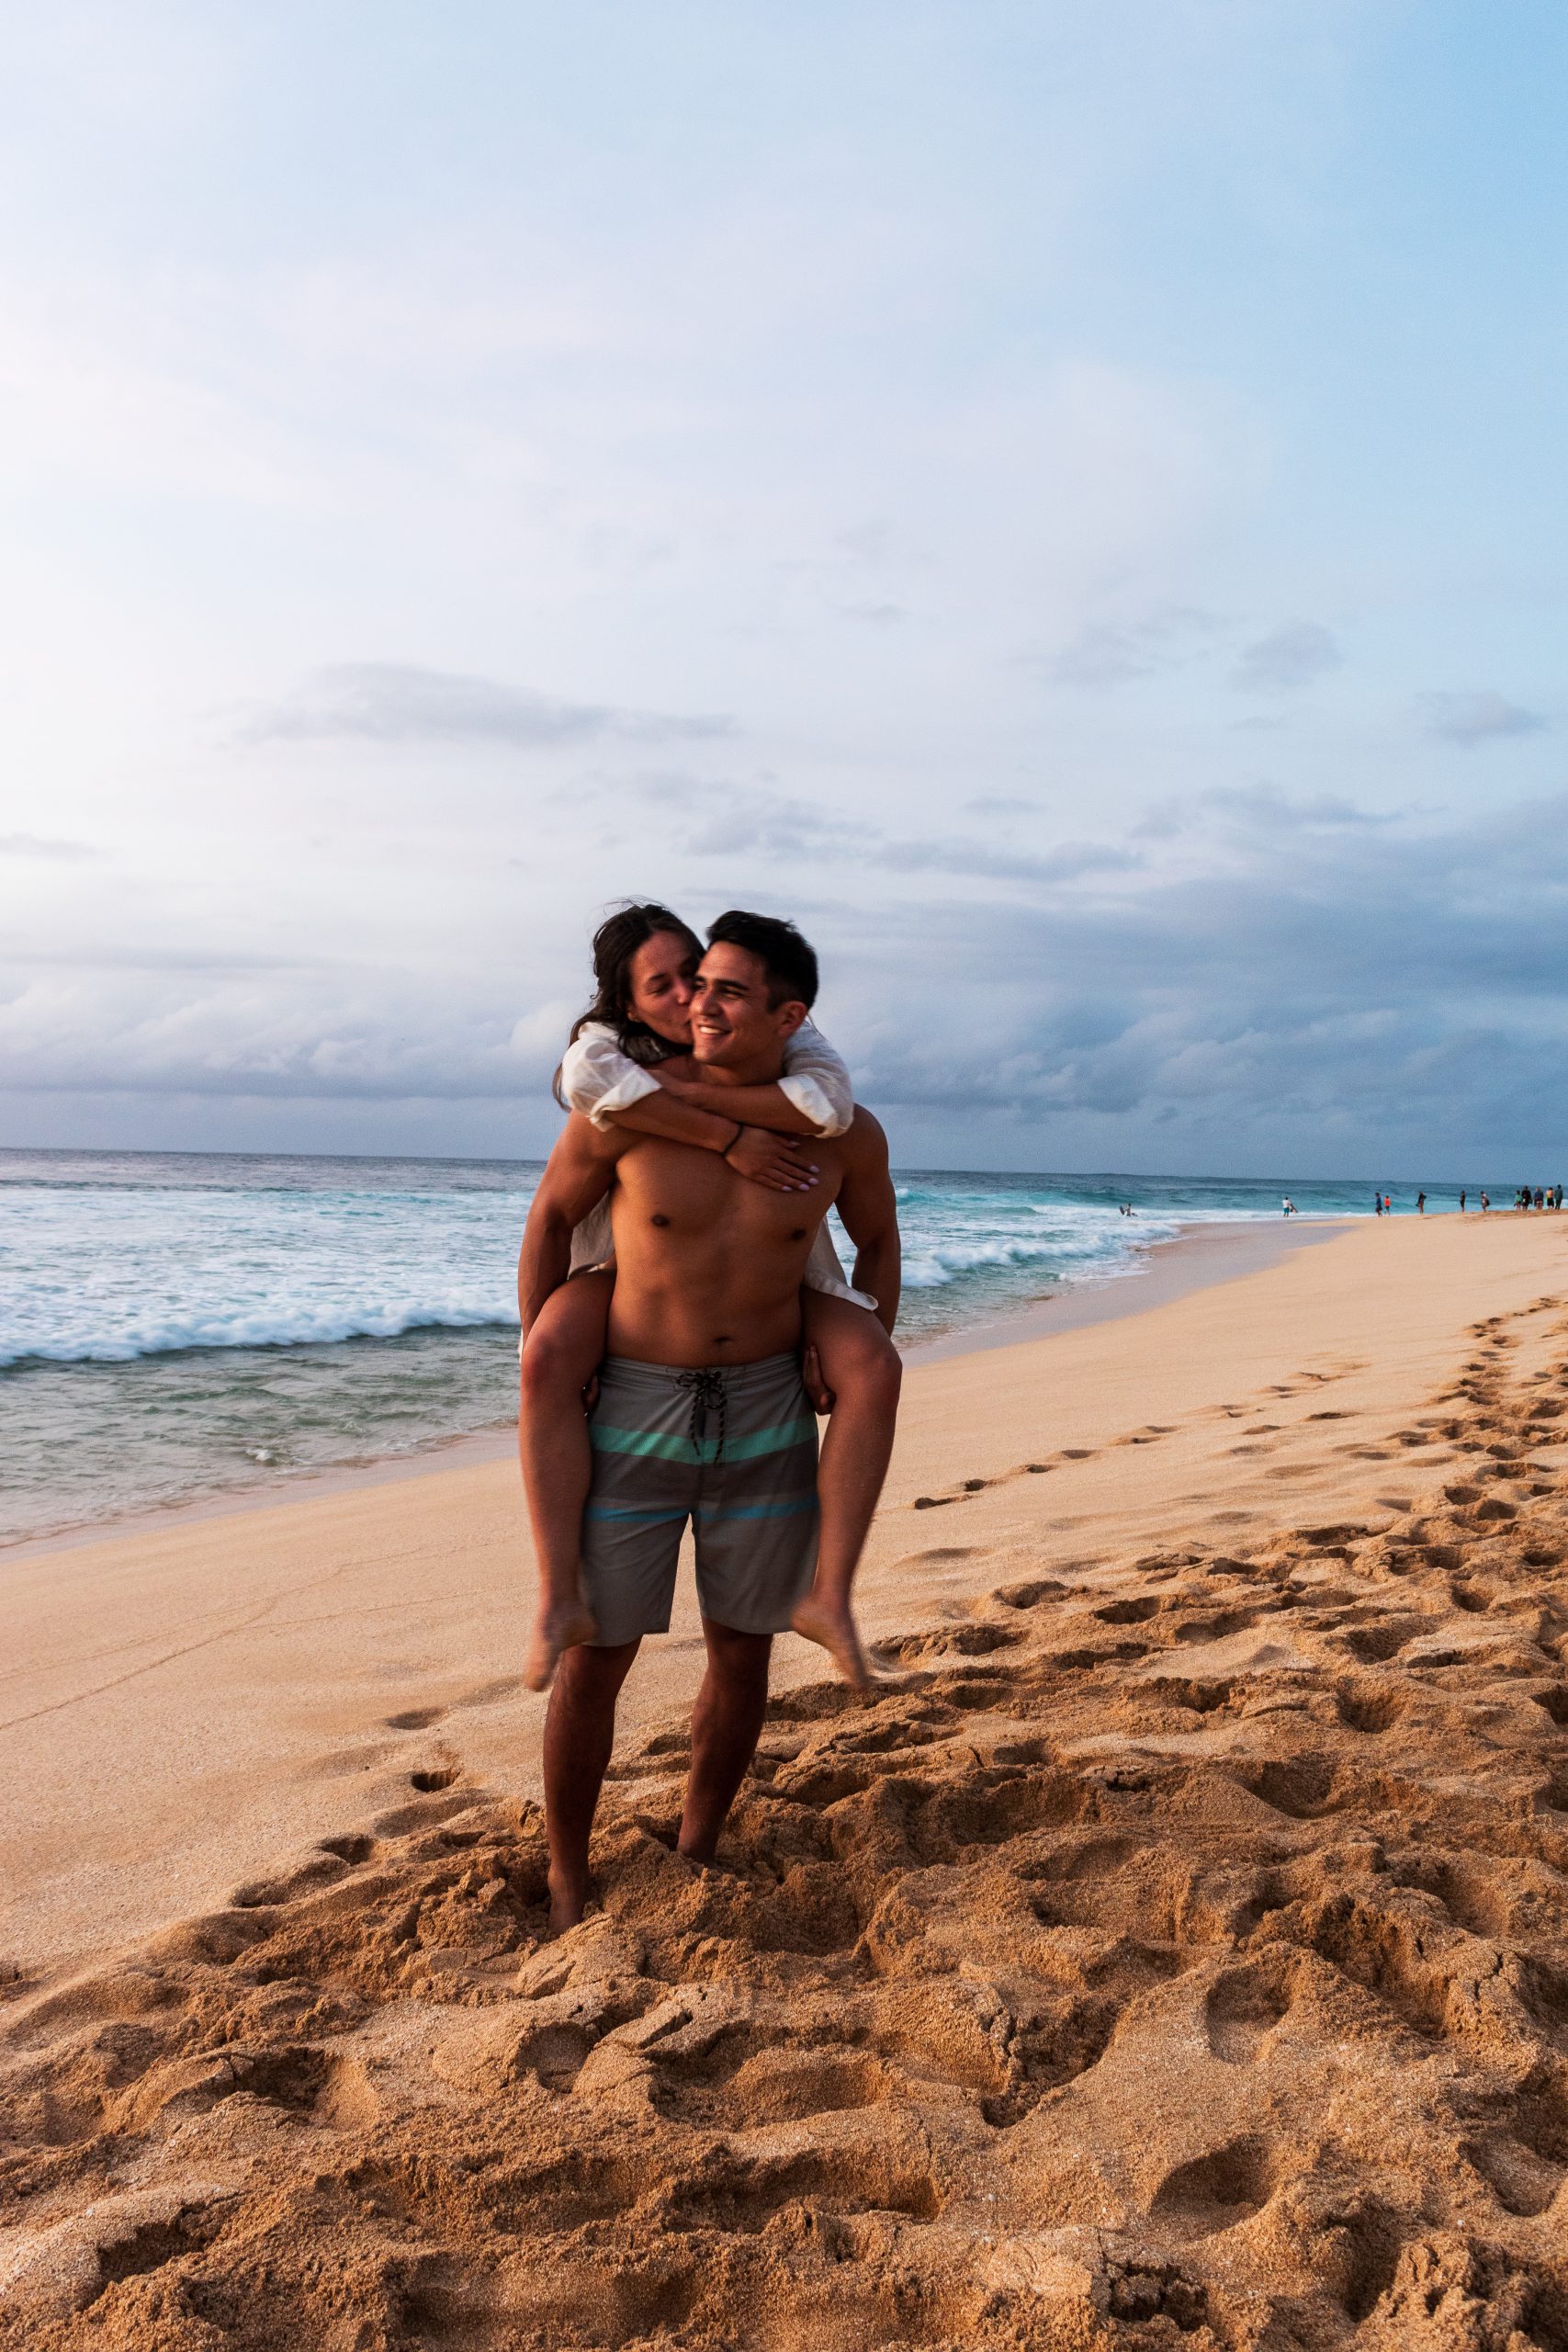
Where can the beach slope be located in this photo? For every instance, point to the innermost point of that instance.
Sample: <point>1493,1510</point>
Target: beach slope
<point>1174,1949</point>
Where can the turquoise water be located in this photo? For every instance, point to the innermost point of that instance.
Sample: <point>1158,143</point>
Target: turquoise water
<point>173,1325</point>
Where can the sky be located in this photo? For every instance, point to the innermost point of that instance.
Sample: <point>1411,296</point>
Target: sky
<point>1064,498</point>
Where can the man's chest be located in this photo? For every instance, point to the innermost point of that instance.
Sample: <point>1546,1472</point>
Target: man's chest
<point>668,1193</point>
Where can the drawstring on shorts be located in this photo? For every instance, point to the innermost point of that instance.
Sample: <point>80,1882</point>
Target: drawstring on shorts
<point>706,1388</point>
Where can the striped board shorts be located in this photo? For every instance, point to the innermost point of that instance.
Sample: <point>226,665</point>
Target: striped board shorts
<point>734,1451</point>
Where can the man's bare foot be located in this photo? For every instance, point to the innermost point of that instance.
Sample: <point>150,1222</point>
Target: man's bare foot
<point>556,1630</point>
<point>568,1900</point>
<point>835,1628</point>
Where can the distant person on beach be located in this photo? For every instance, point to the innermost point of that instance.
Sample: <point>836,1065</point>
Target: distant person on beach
<point>1377,1205</point>
<point>629,1066</point>
<point>1290,1208</point>
<point>1420,1203</point>
<point>1461,1199</point>
<point>701,1414</point>
<point>1485,1202</point>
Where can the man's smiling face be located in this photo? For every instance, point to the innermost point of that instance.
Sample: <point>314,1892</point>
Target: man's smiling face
<point>733,1022</point>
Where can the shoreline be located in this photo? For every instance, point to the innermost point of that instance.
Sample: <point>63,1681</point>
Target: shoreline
<point>1198,1256</point>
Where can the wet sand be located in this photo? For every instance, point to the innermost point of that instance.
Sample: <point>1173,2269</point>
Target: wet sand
<point>1173,1950</point>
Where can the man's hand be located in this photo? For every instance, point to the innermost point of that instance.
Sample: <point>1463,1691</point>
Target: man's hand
<point>773,1161</point>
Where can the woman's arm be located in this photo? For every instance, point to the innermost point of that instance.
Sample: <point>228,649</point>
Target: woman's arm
<point>758,1106</point>
<point>815,1096</point>
<point>748,1146</point>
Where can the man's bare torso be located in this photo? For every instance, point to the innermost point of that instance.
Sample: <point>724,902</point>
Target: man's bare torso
<point>708,1266</point>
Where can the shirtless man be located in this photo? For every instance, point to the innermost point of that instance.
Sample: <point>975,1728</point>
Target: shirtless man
<point>700,1413</point>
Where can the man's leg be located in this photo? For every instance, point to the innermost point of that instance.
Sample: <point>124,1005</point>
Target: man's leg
<point>860,1366</point>
<point>579,1731</point>
<point>725,1723</point>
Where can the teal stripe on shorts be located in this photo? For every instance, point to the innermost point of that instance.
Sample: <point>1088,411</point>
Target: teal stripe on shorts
<point>658,1445</point>
<point>786,1510</point>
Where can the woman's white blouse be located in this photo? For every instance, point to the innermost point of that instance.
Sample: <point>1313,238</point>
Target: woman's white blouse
<point>598,1080</point>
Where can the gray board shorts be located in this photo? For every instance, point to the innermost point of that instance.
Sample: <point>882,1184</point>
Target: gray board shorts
<point>731,1449</point>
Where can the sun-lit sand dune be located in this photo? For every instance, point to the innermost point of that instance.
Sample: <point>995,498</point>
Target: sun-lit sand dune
<point>1173,1952</point>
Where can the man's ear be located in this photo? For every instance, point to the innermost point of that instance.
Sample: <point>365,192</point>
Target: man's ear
<point>790,1017</point>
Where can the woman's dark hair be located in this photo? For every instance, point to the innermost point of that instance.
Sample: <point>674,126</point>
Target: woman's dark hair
<point>615,942</point>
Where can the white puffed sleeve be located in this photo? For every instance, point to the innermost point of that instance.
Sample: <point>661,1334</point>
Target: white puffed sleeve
<point>598,1080</point>
<point>817,1080</point>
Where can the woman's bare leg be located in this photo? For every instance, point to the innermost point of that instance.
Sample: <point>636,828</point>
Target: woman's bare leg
<point>563,1352</point>
<point>860,1364</point>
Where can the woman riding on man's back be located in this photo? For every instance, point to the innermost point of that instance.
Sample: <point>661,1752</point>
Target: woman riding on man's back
<point>627,1064</point>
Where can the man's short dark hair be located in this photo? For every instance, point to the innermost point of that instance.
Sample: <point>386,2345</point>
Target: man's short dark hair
<point>790,961</point>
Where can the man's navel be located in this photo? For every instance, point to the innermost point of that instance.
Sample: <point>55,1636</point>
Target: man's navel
<point>659,1220</point>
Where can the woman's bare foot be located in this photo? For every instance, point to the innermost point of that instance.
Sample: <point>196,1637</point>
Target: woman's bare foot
<point>832,1625</point>
<point>556,1630</point>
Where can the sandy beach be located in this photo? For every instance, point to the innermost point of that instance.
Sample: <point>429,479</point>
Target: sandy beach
<point>1174,1949</point>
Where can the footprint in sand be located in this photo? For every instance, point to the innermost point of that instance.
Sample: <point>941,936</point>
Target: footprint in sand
<point>1217,2191</point>
<point>414,1719</point>
<point>1368,1712</point>
<point>1243,2008</point>
<point>350,1847</point>
<point>1136,1612</point>
<point>1029,1595</point>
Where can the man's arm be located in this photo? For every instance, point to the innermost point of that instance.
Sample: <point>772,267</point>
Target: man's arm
<point>869,1208</point>
<point>577,1176</point>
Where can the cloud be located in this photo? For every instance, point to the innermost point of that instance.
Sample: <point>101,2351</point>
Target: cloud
<point>38,845</point>
<point>876,614</point>
<point>1261,804</point>
<point>1254,808</point>
<point>1472,718</point>
<point>736,821</point>
<point>1112,653</point>
<point>1002,804</point>
<point>397,702</point>
<point>1352,981</point>
<point>1286,659</point>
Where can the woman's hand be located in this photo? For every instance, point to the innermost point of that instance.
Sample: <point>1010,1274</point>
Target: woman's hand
<point>822,1397</point>
<point>771,1160</point>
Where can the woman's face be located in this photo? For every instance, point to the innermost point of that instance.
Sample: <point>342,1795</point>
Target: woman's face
<point>660,986</point>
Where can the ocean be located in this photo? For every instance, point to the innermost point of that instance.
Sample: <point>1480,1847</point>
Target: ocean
<point>175,1325</point>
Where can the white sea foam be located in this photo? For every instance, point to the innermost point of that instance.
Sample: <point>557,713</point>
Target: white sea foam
<point>109,1275</point>
<point>113,1267</point>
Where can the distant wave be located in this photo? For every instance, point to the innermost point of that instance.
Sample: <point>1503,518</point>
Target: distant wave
<point>298,1325</point>
<point>1089,1256</point>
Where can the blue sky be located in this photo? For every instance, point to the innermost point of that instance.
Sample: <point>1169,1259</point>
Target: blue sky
<point>1066,500</point>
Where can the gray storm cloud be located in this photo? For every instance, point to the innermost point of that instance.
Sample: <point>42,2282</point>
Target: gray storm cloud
<point>1309,973</point>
